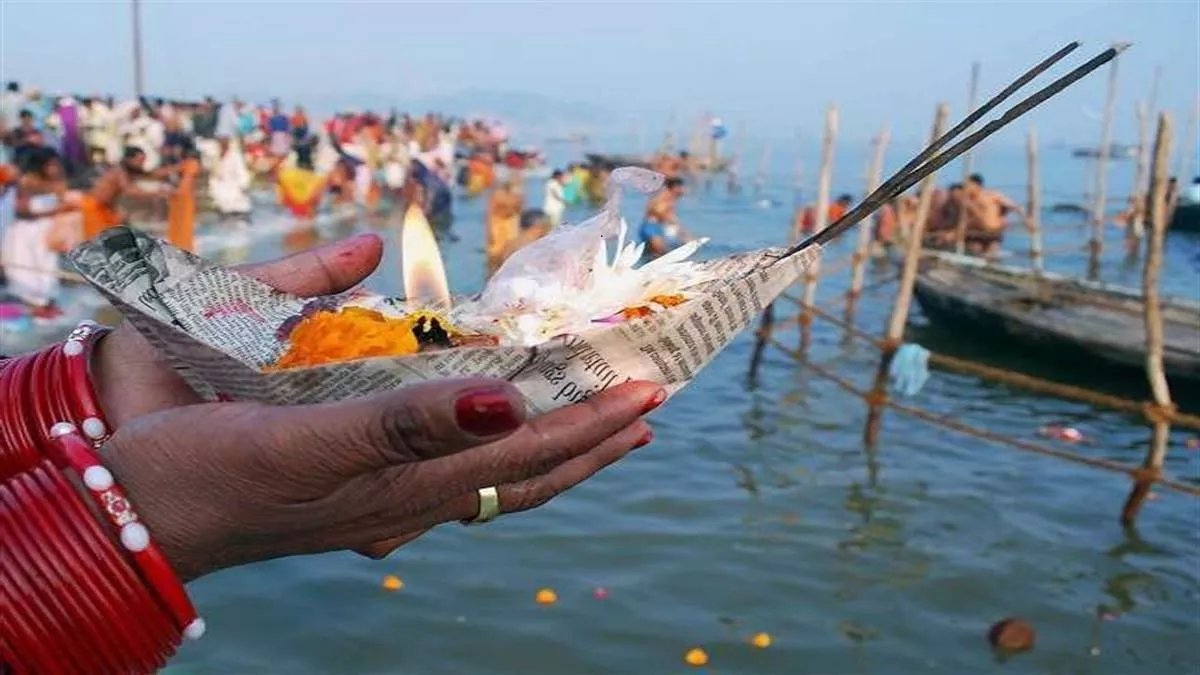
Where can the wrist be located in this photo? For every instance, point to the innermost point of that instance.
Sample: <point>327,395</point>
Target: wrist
<point>154,507</point>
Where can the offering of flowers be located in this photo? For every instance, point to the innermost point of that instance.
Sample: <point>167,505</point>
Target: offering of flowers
<point>546,290</point>
<point>563,318</point>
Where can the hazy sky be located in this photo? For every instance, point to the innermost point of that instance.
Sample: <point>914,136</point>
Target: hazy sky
<point>775,65</point>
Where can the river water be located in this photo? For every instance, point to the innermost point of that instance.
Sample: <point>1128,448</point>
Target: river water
<point>757,509</point>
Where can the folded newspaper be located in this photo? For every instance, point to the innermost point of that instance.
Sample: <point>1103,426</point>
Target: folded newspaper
<point>562,319</point>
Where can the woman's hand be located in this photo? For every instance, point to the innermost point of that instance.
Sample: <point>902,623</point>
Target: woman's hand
<point>261,482</point>
<point>133,379</point>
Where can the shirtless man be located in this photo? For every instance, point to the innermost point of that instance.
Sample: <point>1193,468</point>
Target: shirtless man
<point>660,230</point>
<point>672,166</point>
<point>99,206</point>
<point>987,212</point>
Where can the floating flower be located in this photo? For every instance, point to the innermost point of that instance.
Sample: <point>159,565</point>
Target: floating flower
<point>546,596</point>
<point>1062,433</point>
<point>600,593</point>
<point>761,640</point>
<point>1012,635</point>
<point>392,583</point>
<point>696,657</point>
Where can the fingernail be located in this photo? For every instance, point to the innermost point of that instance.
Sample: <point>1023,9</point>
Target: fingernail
<point>645,439</point>
<point>655,400</point>
<point>486,411</point>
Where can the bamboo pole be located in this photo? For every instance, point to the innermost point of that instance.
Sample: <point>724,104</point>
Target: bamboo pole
<point>894,332</point>
<point>821,218</point>
<point>760,176</point>
<point>866,229</point>
<point>765,326</point>
<point>1033,217</point>
<point>1162,407</point>
<point>960,228</point>
<point>1134,228</point>
<point>1153,106</point>
<point>1099,212</point>
<point>138,79</point>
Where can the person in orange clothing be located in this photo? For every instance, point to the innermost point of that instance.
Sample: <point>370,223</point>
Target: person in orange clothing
<point>99,206</point>
<point>503,221</point>
<point>181,217</point>
<point>805,220</point>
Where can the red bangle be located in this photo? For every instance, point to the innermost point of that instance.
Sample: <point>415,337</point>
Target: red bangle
<point>77,351</point>
<point>75,452</point>
<point>137,606</point>
<point>28,610</point>
<point>48,386</point>
<point>83,600</point>
<point>20,452</point>
<point>47,573</point>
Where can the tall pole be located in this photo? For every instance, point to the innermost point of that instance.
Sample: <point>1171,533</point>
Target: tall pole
<point>137,49</point>
<point>1099,205</point>
<point>894,333</point>
<point>821,219</point>
<point>960,227</point>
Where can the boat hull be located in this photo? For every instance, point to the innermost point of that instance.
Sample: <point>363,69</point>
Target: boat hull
<point>1056,318</point>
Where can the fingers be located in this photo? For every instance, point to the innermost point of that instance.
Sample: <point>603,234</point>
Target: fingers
<point>423,421</point>
<point>523,495</point>
<point>533,492</point>
<point>321,271</point>
<point>546,441</point>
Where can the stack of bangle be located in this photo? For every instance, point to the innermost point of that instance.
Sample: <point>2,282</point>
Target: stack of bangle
<point>45,387</point>
<point>81,589</point>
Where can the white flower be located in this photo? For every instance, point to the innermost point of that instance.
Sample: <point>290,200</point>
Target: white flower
<point>566,282</point>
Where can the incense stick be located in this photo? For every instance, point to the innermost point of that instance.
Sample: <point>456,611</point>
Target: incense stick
<point>918,167</point>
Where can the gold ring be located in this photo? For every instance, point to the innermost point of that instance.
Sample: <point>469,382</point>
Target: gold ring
<point>489,506</point>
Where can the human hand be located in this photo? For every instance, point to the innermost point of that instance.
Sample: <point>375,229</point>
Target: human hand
<point>268,481</point>
<point>132,378</point>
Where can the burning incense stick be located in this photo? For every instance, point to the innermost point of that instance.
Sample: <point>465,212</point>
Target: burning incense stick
<point>921,165</point>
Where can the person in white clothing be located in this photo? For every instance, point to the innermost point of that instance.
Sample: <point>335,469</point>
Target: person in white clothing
<point>555,203</point>
<point>33,239</point>
<point>229,182</point>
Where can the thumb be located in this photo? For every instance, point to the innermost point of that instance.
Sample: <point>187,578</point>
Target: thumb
<point>321,271</point>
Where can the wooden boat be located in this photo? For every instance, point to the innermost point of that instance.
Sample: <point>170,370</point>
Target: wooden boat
<point>1186,218</point>
<point>703,164</point>
<point>1057,317</point>
<point>612,161</point>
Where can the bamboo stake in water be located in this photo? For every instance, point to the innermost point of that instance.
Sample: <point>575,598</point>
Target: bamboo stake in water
<point>960,231</point>
<point>1133,229</point>
<point>866,230</point>
<point>1033,218</point>
<point>821,218</point>
<point>760,176</point>
<point>894,332</point>
<point>1152,466</point>
<point>1099,212</point>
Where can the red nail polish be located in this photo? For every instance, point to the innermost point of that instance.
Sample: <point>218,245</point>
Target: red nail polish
<point>655,400</point>
<point>645,439</point>
<point>486,411</point>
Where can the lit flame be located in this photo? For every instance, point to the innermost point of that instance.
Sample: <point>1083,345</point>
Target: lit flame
<point>424,274</point>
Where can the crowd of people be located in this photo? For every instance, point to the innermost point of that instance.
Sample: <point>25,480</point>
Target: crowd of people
<point>72,166</point>
<point>982,212</point>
